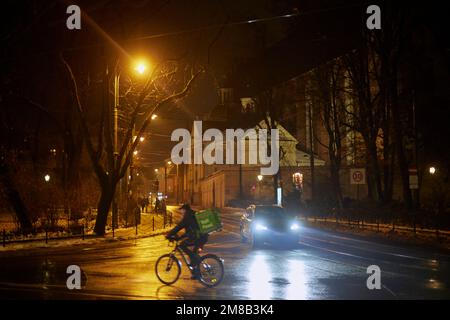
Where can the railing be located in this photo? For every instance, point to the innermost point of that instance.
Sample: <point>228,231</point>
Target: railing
<point>151,223</point>
<point>376,226</point>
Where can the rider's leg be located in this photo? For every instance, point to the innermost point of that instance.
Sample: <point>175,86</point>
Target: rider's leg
<point>193,257</point>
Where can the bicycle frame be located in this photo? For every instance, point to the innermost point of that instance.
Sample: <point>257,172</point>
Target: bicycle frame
<point>202,276</point>
<point>183,255</point>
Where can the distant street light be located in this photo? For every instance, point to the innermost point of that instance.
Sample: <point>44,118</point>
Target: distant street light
<point>135,152</point>
<point>154,116</point>
<point>47,178</point>
<point>260,178</point>
<point>156,170</point>
<point>169,162</point>
<point>141,139</point>
<point>432,170</point>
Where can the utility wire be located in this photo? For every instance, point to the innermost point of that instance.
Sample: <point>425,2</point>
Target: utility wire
<point>209,27</point>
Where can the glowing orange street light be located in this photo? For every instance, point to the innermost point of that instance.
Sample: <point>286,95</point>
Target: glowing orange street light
<point>140,67</point>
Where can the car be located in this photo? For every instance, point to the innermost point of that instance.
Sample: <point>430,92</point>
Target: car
<point>262,224</point>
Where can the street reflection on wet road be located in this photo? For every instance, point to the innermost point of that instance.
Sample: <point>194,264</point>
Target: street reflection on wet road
<point>324,265</point>
<point>259,286</point>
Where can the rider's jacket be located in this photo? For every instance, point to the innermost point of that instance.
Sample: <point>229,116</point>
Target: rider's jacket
<point>189,224</point>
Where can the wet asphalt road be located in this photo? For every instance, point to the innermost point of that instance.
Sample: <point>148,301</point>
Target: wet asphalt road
<point>324,265</point>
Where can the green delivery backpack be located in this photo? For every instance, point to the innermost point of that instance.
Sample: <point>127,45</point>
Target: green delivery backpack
<point>208,221</point>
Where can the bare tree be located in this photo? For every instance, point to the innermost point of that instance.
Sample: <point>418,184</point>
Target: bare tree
<point>163,87</point>
<point>326,82</point>
<point>366,113</point>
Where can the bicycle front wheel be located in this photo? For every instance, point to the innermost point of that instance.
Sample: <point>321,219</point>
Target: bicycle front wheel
<point>168,269</point>
<point>211,270</point>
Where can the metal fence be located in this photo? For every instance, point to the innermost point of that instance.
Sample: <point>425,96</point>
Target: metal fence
<point>378,225</point>
<point>63,228</point>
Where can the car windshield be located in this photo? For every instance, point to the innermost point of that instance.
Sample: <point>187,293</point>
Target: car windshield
<point>270,212</point>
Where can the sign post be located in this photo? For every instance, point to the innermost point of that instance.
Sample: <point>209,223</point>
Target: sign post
<point>414,186</point>
<point>357,177</point>
<point>413,178</point>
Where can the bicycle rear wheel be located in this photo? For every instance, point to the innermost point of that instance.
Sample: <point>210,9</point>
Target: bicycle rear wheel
<point>168,269</point>
<point>211,270</point>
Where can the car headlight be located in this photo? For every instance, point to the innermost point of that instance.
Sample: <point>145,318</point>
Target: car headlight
<point>260,227</point>
<point>295,226</point>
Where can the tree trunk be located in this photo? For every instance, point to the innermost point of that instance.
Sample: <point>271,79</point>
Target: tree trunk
<point>398,131</point>
<point>402,162</point>
<point>335,180</point>
<point>275,188</point>
<point>375,169</point>
<point>15,200</point>
<point>103,206</point>
<point>311,154</point>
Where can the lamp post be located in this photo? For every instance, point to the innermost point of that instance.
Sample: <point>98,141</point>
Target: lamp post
<point>177,186</point>
<point>260,178</point>
<point>165,177</point>
<point>140,67</point>
<point>157,180</point>
<point>115,218</point>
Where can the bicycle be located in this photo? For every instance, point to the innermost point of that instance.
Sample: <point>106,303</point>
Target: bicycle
<point>168,267</point>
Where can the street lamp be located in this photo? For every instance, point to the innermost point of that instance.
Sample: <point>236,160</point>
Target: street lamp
<point>141,139</point>
<point>140,67</point>
<point>135,152</point>
<point>156,170</point>
<point>47,178</point>
<point>154,116</point>
<point>165,178</point>
<point>260,178</point>
<point>432,170</point>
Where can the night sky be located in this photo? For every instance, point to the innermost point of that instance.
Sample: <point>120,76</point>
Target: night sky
<point>248,56</point>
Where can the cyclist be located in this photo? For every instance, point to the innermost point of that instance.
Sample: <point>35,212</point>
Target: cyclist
<point>190,238</point>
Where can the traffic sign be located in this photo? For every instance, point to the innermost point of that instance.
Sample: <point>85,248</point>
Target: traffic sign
<point>358,176</point>
<point>413,181</point>
<point>413,178</point>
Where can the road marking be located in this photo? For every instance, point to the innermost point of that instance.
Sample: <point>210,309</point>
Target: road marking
<point>411,266</point>
<point>329,234</point>
<point>367,249</point>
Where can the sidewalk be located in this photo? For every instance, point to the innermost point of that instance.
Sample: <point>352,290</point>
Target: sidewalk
<point>151,225</point>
